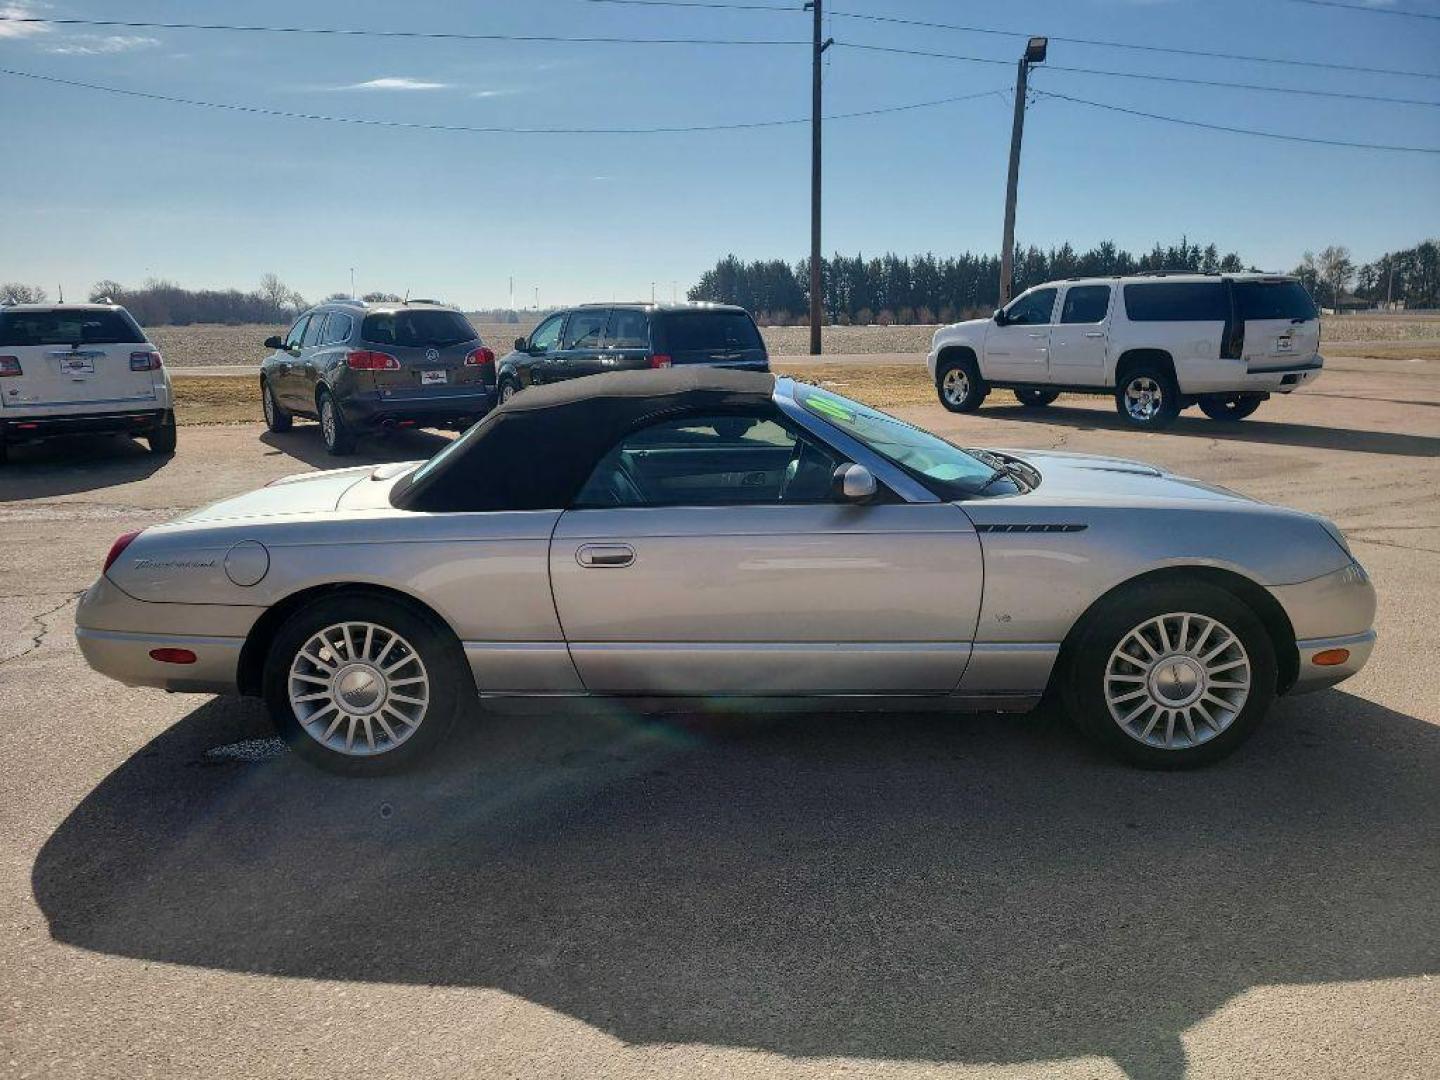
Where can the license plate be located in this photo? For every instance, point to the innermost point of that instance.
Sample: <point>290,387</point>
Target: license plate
<point>430,378</point>
<point>77,365</point>
<point>1284,344</point>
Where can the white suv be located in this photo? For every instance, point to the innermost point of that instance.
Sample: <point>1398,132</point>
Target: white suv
<point>69,369</point>
<point>1158,342</point>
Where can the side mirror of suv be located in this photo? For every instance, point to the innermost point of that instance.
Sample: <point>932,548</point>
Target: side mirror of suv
<point>1000,318</point>
<point>520,344</point>
<point>274,341</point>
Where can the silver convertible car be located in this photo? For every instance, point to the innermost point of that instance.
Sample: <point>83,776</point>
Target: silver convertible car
<point>707,533</point>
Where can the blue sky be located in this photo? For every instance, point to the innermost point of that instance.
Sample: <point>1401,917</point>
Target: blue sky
<point>96,185</point>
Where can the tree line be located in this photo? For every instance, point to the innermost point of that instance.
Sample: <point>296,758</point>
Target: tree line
<point>929,288</point>
<point>1409,278</point>
<point>163,303</point>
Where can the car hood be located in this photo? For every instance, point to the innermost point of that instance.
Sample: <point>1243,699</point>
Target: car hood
<point>1095,480</point>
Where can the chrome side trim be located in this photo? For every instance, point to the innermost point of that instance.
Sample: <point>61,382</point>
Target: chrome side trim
<point>522,667</point>
<point>1008,668</point>
<point>1312,677</point>
<point>125,657</point>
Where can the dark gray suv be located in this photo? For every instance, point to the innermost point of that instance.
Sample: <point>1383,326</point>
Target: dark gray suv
<point>359,367</point>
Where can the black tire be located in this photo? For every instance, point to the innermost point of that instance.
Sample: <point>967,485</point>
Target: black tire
<point>959,385</point>
<point>1158,410</point>
<point>508,388</point>
<point>451,687</point>
<point>339,439</point>
<point>1087,674</point>
<point>162,439</point>
<point>277,417</point>
<point>1229,406</point>
<point>1036,399</point>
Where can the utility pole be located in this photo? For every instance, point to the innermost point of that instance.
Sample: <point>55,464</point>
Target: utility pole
<point>1034,54</point>
<point>816,300</point>
<point>352,283</point>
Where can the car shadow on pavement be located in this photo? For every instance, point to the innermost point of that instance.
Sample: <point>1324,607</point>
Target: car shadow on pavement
<point>74,464</point>
<point>1312,436</point>
<point>898,886</point>
<point>303,442</point>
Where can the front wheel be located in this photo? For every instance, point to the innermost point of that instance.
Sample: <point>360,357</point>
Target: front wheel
<point>960,386</point>
<point>1171,676</point>
<point>508,388</point>
<point>1148,398</point>
<point>363,684</point>
<point>1229,406</point>
<point>1036,399</point>
<point>339,439</point>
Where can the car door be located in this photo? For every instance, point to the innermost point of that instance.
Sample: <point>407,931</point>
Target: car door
<point>1078,342</point>
<point>1017,350</point>
<point>285,378</point>
<point>708,555</point>
<point>582,346</point>
<point>540,349</point>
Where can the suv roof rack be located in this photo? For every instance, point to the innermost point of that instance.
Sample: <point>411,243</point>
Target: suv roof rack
<point>1171,273</point>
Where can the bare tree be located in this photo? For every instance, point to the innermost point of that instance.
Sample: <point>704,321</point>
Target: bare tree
<point>15,292</point>
<point>105,289</point>
<point>1336,270</point>
<point>276,294</point>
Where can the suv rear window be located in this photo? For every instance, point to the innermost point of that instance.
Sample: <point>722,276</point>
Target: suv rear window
<point>70,326</point>
<point>704,330</point>
<point>1177,301</point>
<point>417,328</point>
<point>1274,300</point>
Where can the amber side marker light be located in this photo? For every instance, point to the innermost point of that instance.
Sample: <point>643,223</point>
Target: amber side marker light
<point>1330,657</point>
<point>173,656</point>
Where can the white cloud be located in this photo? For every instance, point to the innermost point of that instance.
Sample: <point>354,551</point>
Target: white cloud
<point>493,93</point>
<point>83,45</point>
<point>395,82</point>
<point>18,29</point>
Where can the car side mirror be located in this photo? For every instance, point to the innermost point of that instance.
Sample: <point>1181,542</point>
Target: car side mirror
<point>855,483</point>
<point>274,341</point>
<point>521,345</point>
<point>1000,319</point>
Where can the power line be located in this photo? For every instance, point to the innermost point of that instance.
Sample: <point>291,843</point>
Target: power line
<point>1239,130</point>
<point>1257,87</point>
<point>1368,9</point>
<point>257,110</point>
<point>1099,43</point>
<point>135,24</point>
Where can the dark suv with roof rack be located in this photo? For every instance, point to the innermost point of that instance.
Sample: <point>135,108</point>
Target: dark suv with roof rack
<point>596,338</point>
<point>359,367</point>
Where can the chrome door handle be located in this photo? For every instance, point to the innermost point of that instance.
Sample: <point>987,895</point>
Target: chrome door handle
<point>605,555</point>
<point>1036,335</point>
<point>1095,334</point>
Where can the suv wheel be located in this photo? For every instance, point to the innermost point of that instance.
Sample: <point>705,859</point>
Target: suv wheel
<point>276,417</point>
<point>1171,676</point>
<point>1229,406</point>
<point>1036,399</point>
<point>508,388</point>
<point>339,439</point>
<point>1148,397</point>
<point>960,386</point>
<point>163,437</point>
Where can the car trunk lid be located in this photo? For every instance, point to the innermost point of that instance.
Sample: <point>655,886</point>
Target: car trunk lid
<point>1281,325</point>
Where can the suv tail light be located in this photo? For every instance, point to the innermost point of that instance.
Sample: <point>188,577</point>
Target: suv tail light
<point>660,360</point>
<point>483,357</point>
<point>146,361</point>
<point>118,547</point>
<point>10,365</point>
<point>371,361</point>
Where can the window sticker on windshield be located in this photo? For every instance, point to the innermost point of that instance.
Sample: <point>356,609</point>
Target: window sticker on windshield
<point>830,407</point>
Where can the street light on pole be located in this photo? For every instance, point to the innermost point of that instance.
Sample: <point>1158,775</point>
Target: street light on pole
<point>1034,54</point>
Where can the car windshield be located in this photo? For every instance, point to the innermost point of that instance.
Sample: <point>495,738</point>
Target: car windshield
<point>417,328</point>
<point>944,467</point>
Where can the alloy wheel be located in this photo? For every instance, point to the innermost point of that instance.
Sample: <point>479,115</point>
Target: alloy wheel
<point>1177,681</point>
<point>327,421</point>
<point>358,688</point>
<point>267,402</point>
<point>955,385</point>
<point>1144,398</point>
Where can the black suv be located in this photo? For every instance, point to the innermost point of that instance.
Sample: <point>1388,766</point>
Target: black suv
<point>595,338</point>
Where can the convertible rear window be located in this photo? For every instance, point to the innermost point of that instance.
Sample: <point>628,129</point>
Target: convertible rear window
<point>1274,300</point>
<point>417,328</point>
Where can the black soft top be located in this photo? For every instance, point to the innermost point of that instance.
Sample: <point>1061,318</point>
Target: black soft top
<point>535,451</point>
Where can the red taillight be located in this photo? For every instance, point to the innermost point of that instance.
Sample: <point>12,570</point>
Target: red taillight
<point>120,544</point>
<point>660,360</point>
<point>483,357</point>
<point>146,361</point>
<point>10,365</point>
<point>372,361</point>
<point>173,656</point>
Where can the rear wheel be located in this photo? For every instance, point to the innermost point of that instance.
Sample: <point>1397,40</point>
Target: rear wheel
<point>276,417</point>
<point>1147,397</point>
<point>960,386</point>
<point>339,439</point>
<point>1229,406</point>
<point>162,438</point>
<point>363,684</point>
<point>1171,676</point>
<point>1036,399</point>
